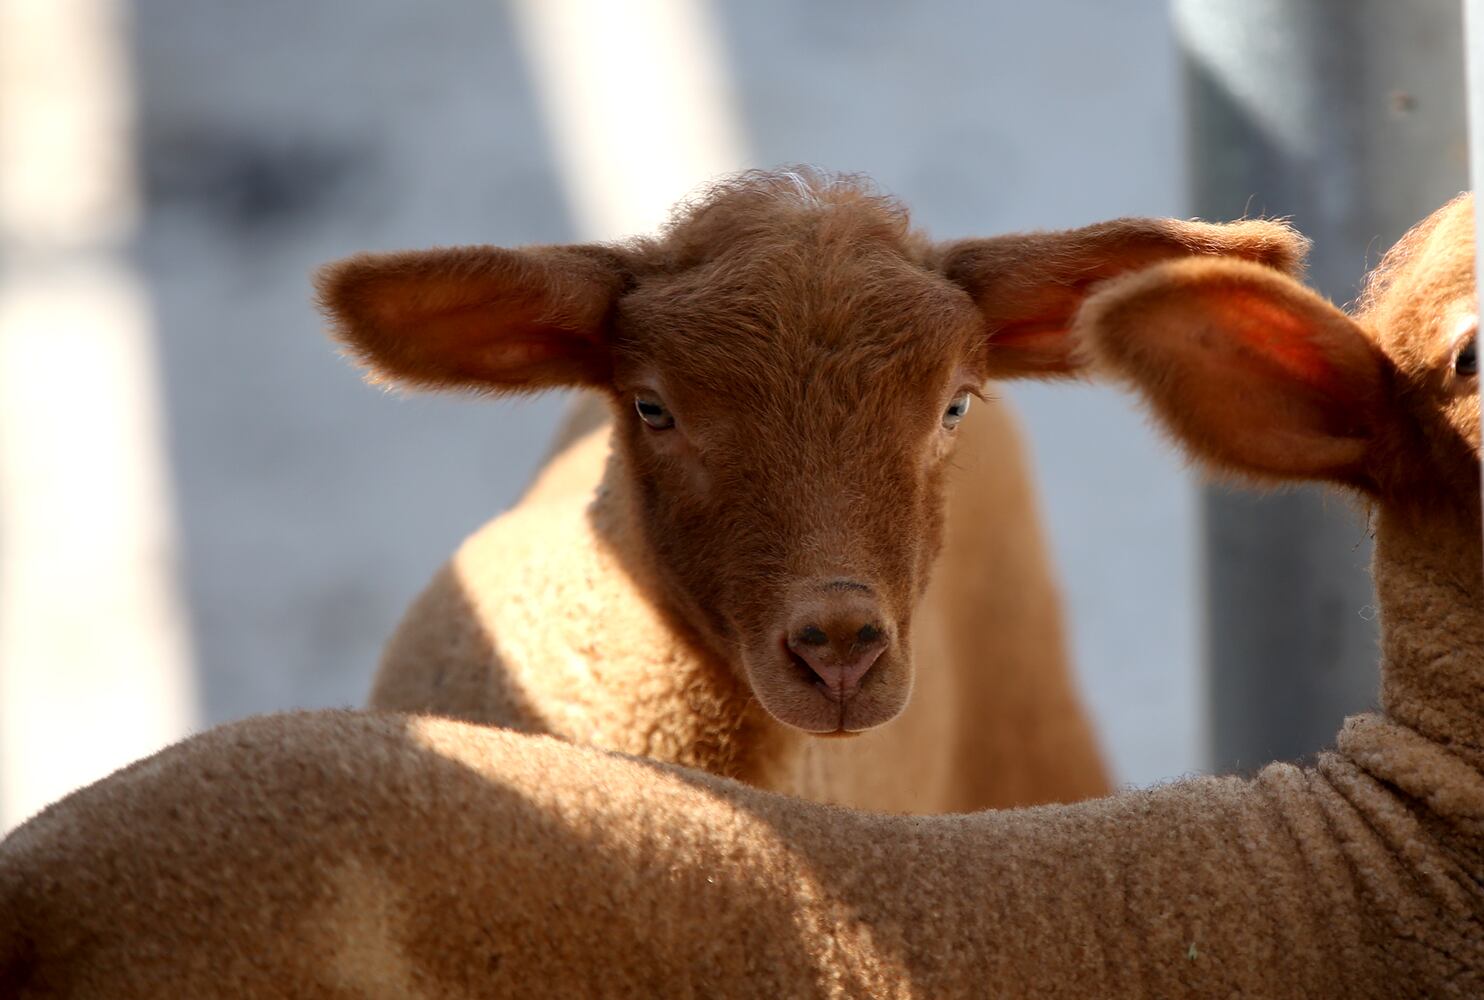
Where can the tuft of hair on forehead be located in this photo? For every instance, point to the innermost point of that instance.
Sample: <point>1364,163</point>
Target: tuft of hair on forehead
<point>760,208</point>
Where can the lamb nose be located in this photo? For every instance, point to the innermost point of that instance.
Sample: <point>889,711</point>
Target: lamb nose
<point>841,656</point>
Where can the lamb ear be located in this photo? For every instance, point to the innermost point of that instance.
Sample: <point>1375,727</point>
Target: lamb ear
<point>1248,369</point>
<point>1028,286</point>
<point>477,317</point>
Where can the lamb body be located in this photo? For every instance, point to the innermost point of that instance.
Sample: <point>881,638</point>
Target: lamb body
<point>340,854</point>
<point>646,594</point>
<point>378,855</point>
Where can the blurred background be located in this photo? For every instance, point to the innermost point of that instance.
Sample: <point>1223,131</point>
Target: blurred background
<point>204,513</point>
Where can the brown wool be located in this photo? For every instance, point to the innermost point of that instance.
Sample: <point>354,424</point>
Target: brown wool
<point>341,854</point>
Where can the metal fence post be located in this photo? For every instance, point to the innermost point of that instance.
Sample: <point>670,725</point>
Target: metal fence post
<point>1348,116</point>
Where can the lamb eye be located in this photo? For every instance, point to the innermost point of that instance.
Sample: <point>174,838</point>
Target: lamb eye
<point>654,413</point>
<point>1467,362</point>
<point>956,410</point>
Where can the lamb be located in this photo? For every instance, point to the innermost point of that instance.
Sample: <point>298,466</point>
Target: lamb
<point>339,854</point>
<point>746,563</point>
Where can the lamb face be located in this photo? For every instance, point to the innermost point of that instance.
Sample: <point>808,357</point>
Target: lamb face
<point>787,413</point>
<point>786,364</point>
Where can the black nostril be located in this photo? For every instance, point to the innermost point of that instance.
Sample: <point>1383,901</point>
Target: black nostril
<point>812,635</point>
<point>868,633</point>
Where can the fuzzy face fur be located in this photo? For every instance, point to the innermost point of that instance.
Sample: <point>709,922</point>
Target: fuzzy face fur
<point>805,348</point>
<point>336,854</point>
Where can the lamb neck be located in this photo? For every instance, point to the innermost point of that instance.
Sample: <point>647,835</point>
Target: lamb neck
<point>1431,595</point>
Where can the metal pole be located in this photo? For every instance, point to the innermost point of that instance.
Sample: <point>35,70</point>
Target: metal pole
<point>1348,116</point>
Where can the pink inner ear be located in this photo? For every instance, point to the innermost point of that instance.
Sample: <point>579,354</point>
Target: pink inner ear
<point>538,346</point>
<point>526,353</point>
<point>453,338</point>
<point>1032,346</point>
<point>1279,337</point>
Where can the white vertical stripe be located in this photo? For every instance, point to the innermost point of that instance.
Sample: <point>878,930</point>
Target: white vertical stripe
<point>95,663</point>
<point>638,103</point>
